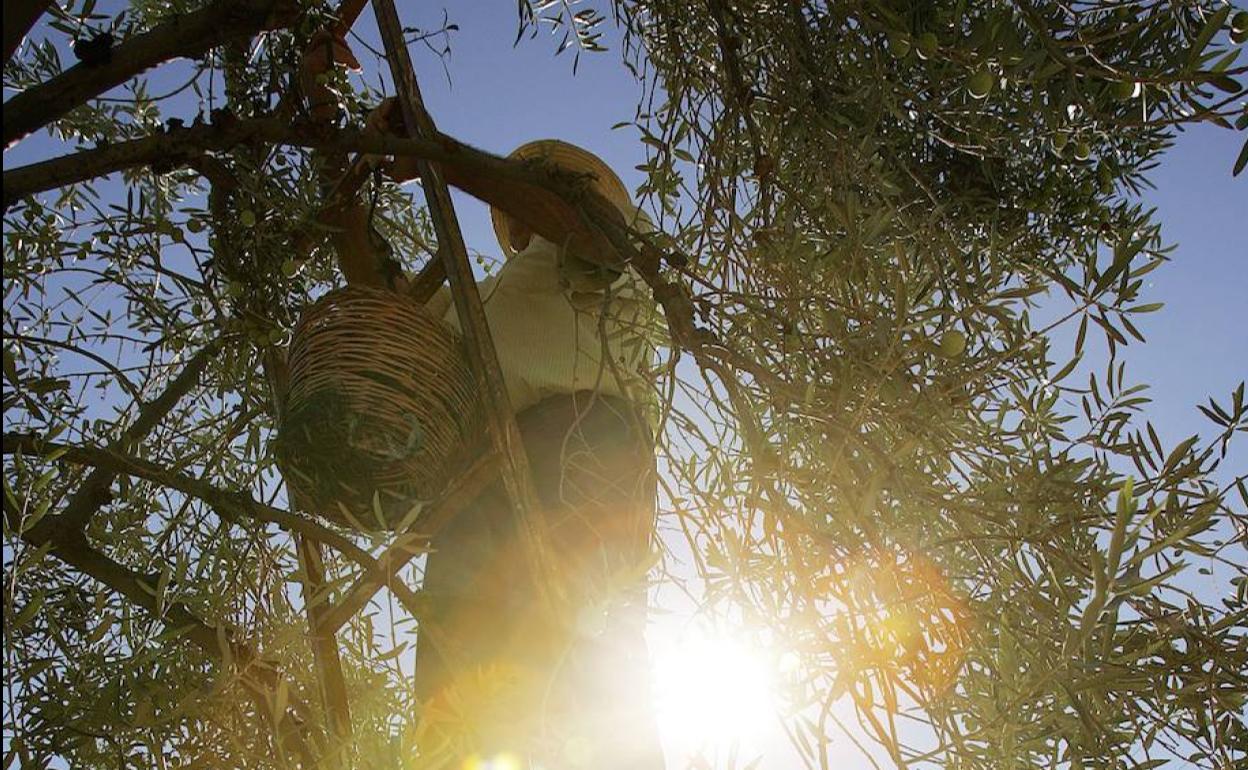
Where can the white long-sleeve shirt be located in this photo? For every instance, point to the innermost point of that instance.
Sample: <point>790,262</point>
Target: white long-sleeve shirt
<point>562,324</point>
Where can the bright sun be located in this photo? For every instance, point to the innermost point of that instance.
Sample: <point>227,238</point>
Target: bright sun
<point>713,693</point>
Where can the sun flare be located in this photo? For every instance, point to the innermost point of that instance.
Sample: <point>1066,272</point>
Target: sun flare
<point>714,692</point>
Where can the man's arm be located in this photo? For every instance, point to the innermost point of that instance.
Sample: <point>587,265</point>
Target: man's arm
<point>543,212</point>
<point>363,254</point>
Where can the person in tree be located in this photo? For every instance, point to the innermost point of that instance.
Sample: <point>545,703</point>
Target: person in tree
<point>494,675</point>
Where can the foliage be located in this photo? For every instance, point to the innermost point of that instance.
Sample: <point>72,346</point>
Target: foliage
<point>879,454</point>
<point>885,195</point>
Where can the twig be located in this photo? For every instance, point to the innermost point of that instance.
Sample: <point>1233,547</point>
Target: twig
<point>459,493</point>
<point>93,492</point>
<point>228,504</point>
<point>325,651</point>
<point>123,381</point>
<point>258,676</point>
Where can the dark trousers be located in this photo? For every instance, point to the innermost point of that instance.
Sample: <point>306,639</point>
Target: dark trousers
<point>493,673</point>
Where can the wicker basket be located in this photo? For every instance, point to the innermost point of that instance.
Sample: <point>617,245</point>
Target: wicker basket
<point>380,408</point>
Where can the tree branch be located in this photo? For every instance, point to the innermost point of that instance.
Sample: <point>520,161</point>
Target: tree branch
<point>544,197</point>
<point>19,17</point>
<point>378,573</point>
<point>409,544</point>
<point>187,147</point>
<point>258,676</point>
<point>182,36</point>
<point>228,504</point>
<point>554,203</point>
<point>122,380</point>
<point>93,492</point>
<point>325,653</point>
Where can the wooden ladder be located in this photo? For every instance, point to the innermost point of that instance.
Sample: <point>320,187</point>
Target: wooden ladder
<point>507,460</point>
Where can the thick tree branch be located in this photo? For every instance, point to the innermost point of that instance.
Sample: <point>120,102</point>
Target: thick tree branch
<point>346,15</point>
<point>552,202</point>
<point>19,17</point>
<point>427,282</point>
<point>167,151</point>
<point>535,193</point>
<point>182,36</point>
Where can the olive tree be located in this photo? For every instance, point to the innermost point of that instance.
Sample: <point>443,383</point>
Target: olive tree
<point>871,445</point>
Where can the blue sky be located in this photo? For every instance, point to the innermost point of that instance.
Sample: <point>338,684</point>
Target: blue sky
<point>1198,344</point>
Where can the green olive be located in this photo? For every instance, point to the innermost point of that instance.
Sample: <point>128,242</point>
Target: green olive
<point>952,344</point>
<point>1105,180</point>
<point>899,44</point>
<point>980,84</point>
<point>927,45</point>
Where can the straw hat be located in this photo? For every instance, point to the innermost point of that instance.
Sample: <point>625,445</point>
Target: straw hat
<point>571,158</point>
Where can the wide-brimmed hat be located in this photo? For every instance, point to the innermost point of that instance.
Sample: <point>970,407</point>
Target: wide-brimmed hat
<point>571,158</point>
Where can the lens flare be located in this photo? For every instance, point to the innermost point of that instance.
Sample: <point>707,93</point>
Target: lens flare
<point>496,762</point>
<point>907,616</point>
